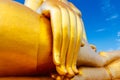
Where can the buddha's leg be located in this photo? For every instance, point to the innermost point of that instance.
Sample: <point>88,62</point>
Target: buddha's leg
<point>114,69</point>
<point>87,56</point>
<point>109,72</point>
<point>25,41</point>
<point>90,73</point>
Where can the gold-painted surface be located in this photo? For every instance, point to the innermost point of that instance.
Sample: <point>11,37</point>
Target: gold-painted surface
<point>33,4</point>
<point>109,72</point>
<point>103,54</point>
<point>89,73</point>
<point>114,68</point>
<point>26,44</point>
<point>64,33</point>
<point>25,41</point>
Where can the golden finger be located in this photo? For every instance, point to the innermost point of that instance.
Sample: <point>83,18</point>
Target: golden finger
<point>72,44</point>
<point>65,40</point>
<point>75,9</point>
<point>55,15</point>
<point>78,43</point>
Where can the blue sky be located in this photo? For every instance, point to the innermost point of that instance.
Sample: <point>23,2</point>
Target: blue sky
<point>102,22</point>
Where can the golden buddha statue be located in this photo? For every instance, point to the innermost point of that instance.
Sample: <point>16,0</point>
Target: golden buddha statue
<point>49,37</point>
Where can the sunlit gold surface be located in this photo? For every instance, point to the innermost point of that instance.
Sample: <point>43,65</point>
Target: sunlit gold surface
<point>31,44</point>
<point>67,35</point>
<point>68,31</point>
<point>33,4</point>
<point>25,40</point>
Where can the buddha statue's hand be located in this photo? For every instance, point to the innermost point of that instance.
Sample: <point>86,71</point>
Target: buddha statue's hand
<point>78,12</point>
<point>67,33</point>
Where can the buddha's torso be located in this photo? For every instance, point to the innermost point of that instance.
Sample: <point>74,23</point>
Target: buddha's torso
<point>25,41</point>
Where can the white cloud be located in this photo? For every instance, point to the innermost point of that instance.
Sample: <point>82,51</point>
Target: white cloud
<point>109,10</point>
<point>118,48</point>
<point>106,6</point>
<point>118,34</point>
<point>110,49</point>
<point>118,40</point>
<point>118,37</point>
<point>112,17</point>
<point>100,30</point>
